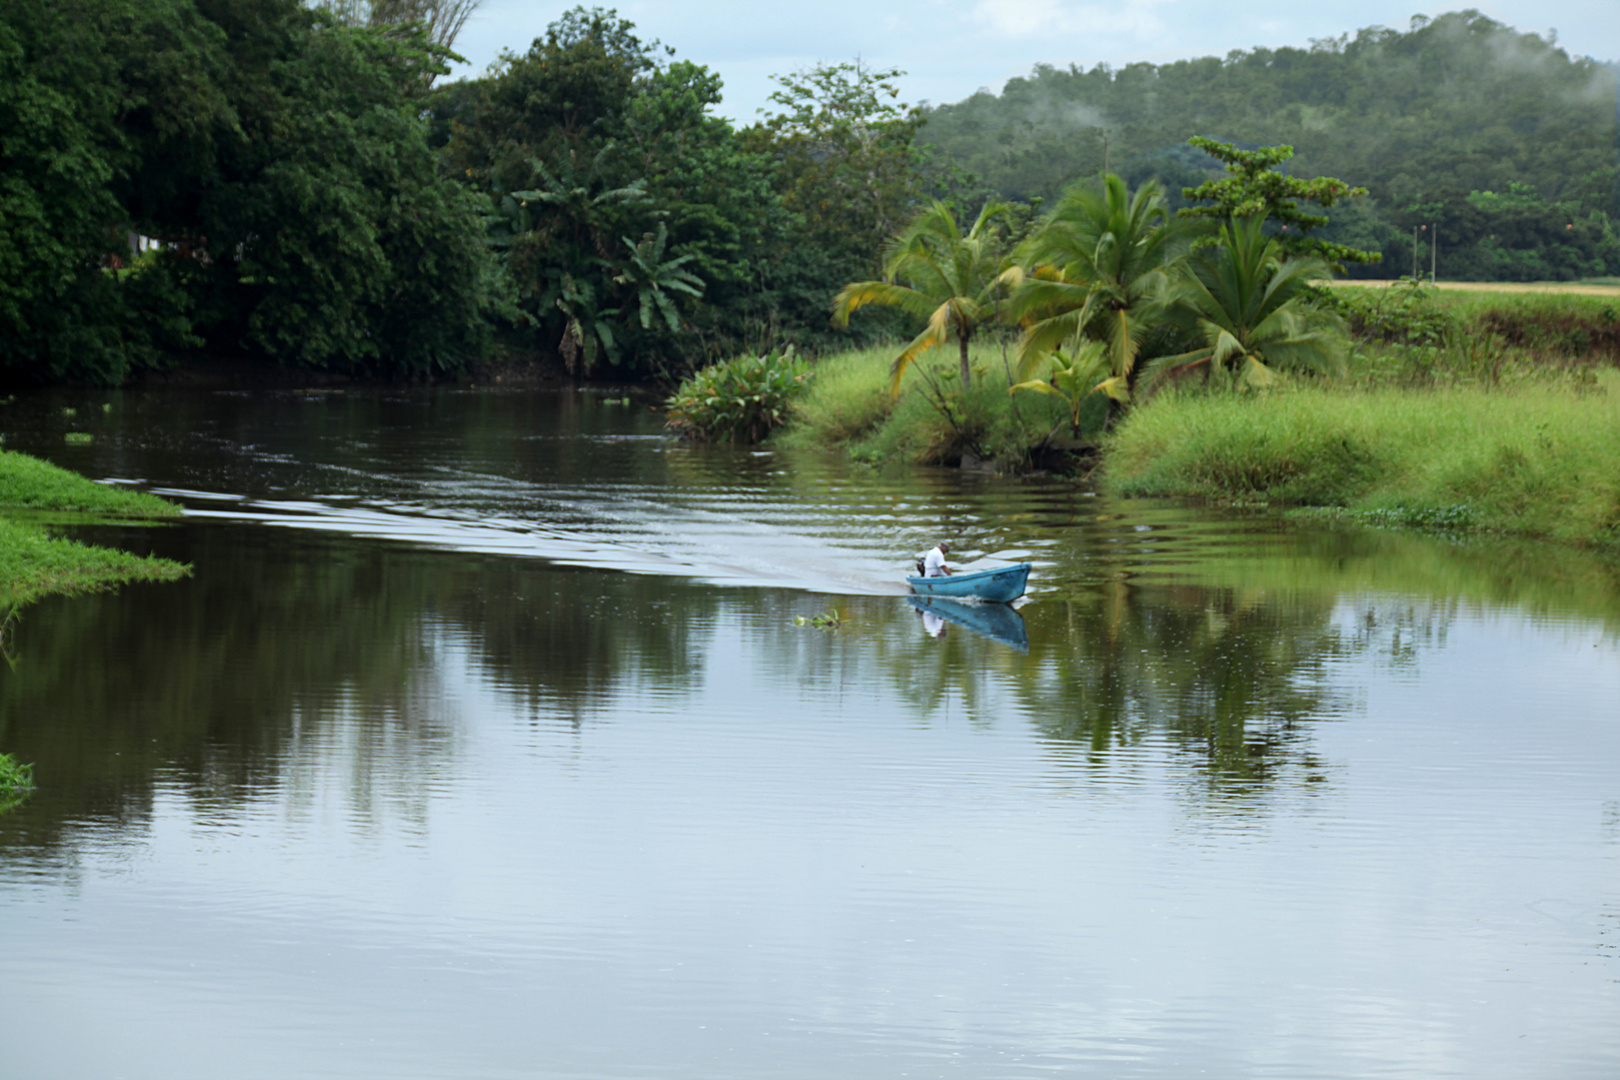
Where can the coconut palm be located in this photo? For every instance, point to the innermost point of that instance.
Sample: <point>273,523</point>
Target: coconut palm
<point>950,279</point>
<point>1086,373</point>
<point>1100,267</point>
<point>1250,304</point>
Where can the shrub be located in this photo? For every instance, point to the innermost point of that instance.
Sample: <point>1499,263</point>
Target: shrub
<point>740,400</point>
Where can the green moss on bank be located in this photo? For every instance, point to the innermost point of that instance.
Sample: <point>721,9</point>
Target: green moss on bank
<point>1538,461</point>
<point>34,563</point>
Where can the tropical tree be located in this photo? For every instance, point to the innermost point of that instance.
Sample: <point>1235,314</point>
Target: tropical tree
<point>1250,304</point>
<point>1256,185</point>
<point>847,152</point>
<point>1085,373</point>
<point>652,277</point>
<point>558,238</point>
<point>1100,267</point>
<point>952,280</point>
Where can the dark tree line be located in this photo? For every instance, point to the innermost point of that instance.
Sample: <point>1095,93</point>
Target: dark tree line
<point>301,193</point>
<point>277,156</point>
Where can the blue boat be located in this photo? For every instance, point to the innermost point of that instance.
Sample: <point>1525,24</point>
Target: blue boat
<point>996,621</point>
<point>1002,585</point>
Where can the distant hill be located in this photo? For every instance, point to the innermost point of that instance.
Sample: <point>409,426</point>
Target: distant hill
<point>1458,120</point>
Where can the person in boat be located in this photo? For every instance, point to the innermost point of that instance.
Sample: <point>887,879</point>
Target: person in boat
<point>933,563</point>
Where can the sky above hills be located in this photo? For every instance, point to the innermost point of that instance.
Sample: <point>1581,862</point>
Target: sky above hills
<point>952,48</point>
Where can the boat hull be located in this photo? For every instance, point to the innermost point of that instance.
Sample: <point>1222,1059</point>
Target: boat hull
<point>999,586</point>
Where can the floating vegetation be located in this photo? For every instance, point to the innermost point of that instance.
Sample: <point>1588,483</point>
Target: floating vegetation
<point>16,782</point>
<point>830,620</point>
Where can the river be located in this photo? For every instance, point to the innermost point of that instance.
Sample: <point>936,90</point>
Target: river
<point>493,738</point>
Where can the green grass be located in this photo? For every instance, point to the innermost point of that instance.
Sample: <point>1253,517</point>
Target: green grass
<point>34,563</point>
<point>849,407</point>
<point>29,482</point>
<point>1538,461</point>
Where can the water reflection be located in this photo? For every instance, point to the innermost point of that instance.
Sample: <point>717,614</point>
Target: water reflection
<point>485,735</point>
<point>998,622</point>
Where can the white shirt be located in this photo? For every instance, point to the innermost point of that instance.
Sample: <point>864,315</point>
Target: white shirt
<point>934,563</point>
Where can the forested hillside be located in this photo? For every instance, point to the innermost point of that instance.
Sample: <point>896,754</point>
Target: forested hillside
<point>1500,138</point>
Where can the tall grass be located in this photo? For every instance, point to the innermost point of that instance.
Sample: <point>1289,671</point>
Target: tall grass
<point>849,407</point>
<point>1536,461</point>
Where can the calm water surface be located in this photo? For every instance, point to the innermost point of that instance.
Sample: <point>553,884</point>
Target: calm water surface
<point>483,744</point>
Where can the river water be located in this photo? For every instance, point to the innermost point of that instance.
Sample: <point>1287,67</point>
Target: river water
<point>484,743</point>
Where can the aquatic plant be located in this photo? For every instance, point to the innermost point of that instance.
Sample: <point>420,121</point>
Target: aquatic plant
<point>16,782</point>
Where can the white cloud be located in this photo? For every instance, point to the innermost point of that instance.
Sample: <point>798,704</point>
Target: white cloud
<point>1035,19</point>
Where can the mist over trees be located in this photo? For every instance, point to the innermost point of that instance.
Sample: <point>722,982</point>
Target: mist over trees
<point>1501,138</point>
<point>286,181</point>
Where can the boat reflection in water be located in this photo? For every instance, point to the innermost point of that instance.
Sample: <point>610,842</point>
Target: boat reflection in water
<point>997,621</point>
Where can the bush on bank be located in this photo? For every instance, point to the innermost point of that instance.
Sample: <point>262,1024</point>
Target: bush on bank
<point>1536,461</point>
<point>740,400</point>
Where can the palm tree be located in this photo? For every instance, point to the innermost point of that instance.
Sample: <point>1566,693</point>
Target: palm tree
<point>1249,302</point>
<point>1100,267</point>
<point>1085,374</point>
<point>931,269</point>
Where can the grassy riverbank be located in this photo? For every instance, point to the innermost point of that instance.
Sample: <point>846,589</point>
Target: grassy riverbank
<point>34,496</point>
<point>1540,461</point>
<point>849,407</point>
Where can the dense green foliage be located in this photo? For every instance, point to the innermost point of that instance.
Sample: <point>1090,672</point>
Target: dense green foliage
<point>1255,310</point>
<point>16,781</point>
<point>1423,336</point>
<point>848,407</point>
<point>616,196</point>
<point>1438,122</point>
<point>279,157</point>
<point>1100,267</point>
<point>740,400</point>
<point>14,776</point>
<point>1255,186</point>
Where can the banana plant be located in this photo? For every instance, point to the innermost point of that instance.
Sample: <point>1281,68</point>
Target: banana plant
<point>651,277</point>
<point>587,331</point>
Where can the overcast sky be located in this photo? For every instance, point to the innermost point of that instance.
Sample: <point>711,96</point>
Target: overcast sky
<point>951,48</point>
